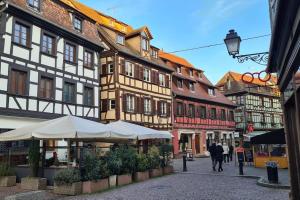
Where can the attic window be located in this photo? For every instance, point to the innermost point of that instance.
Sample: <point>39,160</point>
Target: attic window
<point>191,73</point>
<point>211,92</point>
<point>200,75</point>
<point>77,22</point>
<point>145,44</point>
<point>154,53</point>
<point>120,39</point>
<point>35,4</point>
<point>179,69</point>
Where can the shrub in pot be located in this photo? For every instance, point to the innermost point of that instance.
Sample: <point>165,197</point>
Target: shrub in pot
<point>68,182</point>
<point>128,159</point>
<point>7,176</point>
<point>114,165</point>
<point>165,153</point>
<point>94,174</point>
<point>34,182</point>
<point>142,168</point>
<point>154,162</point>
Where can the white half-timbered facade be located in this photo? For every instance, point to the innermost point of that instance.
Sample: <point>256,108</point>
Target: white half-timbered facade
<point>48,63</point>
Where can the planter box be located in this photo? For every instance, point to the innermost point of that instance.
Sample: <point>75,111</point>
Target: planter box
<point>73,189</point>
<point>141,176</point>
<point>33,183</point>
<point>8,181</point>
<point>95,186</point>
<point>124,179</point>
<point>112,181</point>
<point>168,170</point>
<point>156,172</point>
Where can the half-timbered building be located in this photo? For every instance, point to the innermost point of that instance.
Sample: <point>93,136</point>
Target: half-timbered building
<point>49,57</point>
<point>259,108</point>
<point>201,114</point>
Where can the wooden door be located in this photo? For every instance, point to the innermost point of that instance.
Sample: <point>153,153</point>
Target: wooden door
<point>197,143</point>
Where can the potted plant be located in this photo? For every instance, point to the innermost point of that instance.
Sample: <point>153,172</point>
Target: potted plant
<point>165,152</point>
<point>68,182</point>
<point>94,174</point>
<point>142,168</point>
<point>128,158</point>
<point>114,164</point>
<point>34,182</point>
<point>154,162</point>
<point>7,176</point>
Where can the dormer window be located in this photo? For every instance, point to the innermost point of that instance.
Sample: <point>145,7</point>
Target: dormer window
<point>77,22</point>
<point>35,4</point>
<point>179,69</point>
<point>192,86</point>
<point>120,39</point>
<point>211,92</point>
<point>145,44</point>
<point>154,53</point>
<point>191,73</point>
<point>179,83</point>
<point>200,75</point>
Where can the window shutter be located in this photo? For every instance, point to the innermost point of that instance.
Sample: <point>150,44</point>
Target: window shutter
<point>104,105</point>
<point>104,70</point>
<point>123,66</point>
<point>175,108</point>
<point>141,72</point>
<point>167,81</point>
<point>135,104</point>
<point>168,109</point>
<point>153,80</point>
<point>153,104</point>
<point>124,103</point>
<point>158,107</point>
<point>136,71</point>
<point>142,108</point>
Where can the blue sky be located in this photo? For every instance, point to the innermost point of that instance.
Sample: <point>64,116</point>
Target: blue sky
<point>182,24</point>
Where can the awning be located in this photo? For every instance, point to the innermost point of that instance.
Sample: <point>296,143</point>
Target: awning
<point>248,136</point>
<point>273,137</point>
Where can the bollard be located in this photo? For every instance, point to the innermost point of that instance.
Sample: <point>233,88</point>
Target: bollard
<point>241,168</point>
<point>184,162</point>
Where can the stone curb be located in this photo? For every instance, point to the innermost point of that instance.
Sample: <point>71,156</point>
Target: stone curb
<point>261,182</point>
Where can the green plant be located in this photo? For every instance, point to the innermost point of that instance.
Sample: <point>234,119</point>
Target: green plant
<point>128,157</point>
<point>34,157</point>
<point>142,163</point>
<point>104,171</point>
<point>114,162</point>
<point>67,177</point>
<point>153,157</point>
<point>91,167</point>
<point>165,152</point>
<point>6,170</point>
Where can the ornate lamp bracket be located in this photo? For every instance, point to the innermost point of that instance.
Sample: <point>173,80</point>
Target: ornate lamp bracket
<point>259,58</point>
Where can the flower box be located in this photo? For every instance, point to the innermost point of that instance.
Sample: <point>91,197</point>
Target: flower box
<point>141,176</point>
<point>33,183</point>
<point>156,172</point>
<point>71,189</point>
<point>124,179</point>
<point>7,181</point>
<point>168,170</point>
<point>112,181</point>
<point>95,186</point>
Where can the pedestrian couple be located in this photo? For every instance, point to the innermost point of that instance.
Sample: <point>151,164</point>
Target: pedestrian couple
<point>218,153</point>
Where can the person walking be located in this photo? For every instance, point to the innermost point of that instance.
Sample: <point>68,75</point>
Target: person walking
<point>219,156</point>
<point>226,153</point>
<point>230,152</point>
<point>212,151</point>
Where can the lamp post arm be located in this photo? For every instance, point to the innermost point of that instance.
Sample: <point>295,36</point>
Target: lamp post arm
<point>259,58</point>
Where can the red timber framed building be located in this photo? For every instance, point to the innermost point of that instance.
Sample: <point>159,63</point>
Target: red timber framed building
<point>201,113</point>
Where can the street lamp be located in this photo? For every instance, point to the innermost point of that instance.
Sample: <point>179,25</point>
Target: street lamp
<point>233,41</point>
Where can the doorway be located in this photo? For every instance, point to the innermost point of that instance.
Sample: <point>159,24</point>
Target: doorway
<point>197,143</point>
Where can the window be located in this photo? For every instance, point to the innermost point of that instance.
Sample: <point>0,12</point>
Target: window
<point>88,96</point>
<point>88,59</point>
<point>179,69</point>
<point>223,115</point>
<point>163,108</point>
<point>110,68</point>
<point>162,81</point>
<point>179,83</point>
<point>69,92</point>
<point>112,104</point>
<point>46,88</point>
<point>145,44</point>
<point>231,115</point>
<point>192,86</point>
<point>35,4</point>
<point>213,113</point>
<point>130,103</point>
<point>129,68</point>
<point>179,109</point>
<point>191,110</point>
<point>48,44</point>
<point>18,82</point>
<point>191,73</point>
<point>203,112</point>
<point>70,53</point>
<point>154,53</point>
<point>77,22</point>
<point>21,34</point>
<point>120,39</point>
<point>147,74</point>
<point>211,91</point>
<point>200,75</point>
<point>147,106</point>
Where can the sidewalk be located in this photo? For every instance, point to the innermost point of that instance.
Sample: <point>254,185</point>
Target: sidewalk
<point>203,166</point>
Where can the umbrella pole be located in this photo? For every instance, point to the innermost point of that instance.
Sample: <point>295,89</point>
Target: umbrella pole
<point>43,156</point>
<point>69,152</point>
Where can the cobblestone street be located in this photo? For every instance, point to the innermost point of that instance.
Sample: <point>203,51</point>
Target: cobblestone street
<point>198,183</point>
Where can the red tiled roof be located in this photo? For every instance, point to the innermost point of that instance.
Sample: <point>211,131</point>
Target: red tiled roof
<point>175,59</point>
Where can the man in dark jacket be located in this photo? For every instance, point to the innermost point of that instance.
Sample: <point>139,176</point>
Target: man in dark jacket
<point>212,151</point>
<point>231,152</point>
<point>219,156</point>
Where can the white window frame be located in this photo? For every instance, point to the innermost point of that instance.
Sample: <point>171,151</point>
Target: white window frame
<point>110,68</point>
<point>129,69</point>
<point>192,86</point>
<point>147,75</point>
<point>180,86</point>
<point>147,106</point>
<point>162,80</point>
<point>179,69</point>
<point>130,103</point>
<point>191,73</point>
<point>211,92</point>
<point>145,44</point>
<point>163,108</point>
<point>110,104</point>
<point>120,39</point>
